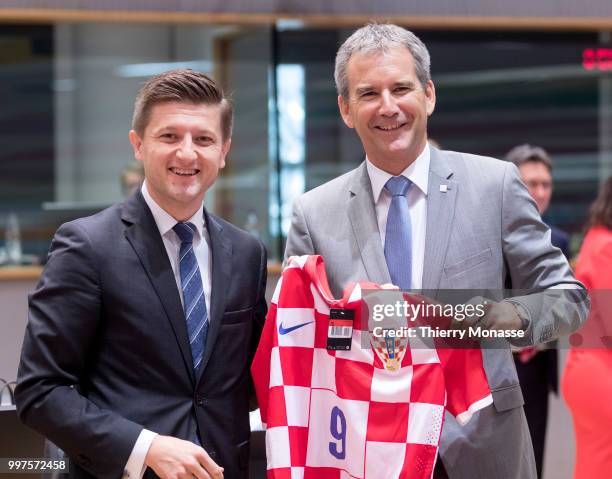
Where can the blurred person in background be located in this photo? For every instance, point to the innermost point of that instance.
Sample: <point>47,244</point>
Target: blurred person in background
<point>587,381</point>
<point>535,167</point>
<point>434,143</point>
<point>132,177</point>
<point>537,366</point>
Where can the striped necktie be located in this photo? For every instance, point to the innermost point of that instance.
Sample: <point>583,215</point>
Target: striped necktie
<point>193,293</point>
<point>398,236</point>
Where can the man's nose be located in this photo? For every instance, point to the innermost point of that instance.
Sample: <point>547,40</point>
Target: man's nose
<point>541,191</point>
<point>186,149</point>
<point>388,104</point>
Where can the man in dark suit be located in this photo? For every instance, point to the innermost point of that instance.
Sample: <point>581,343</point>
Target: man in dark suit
<point>147,315</point>
<point>537,367</point>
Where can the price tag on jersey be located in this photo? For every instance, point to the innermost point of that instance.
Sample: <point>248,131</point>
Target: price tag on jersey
<point>340,329</point>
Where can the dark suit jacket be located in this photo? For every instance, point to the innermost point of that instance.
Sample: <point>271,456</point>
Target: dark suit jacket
<point>560,239</point>
<point>106,349</point>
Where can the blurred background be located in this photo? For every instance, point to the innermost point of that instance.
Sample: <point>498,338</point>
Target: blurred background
<point>67,87</point>
<point>526,72</point>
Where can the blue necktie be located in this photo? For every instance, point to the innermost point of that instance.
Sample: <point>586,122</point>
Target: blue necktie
<point>193,294</point>
<point>398,236</point>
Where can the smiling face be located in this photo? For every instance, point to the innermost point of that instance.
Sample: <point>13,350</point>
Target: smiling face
<point>182,150</point>
<point>388,107</point>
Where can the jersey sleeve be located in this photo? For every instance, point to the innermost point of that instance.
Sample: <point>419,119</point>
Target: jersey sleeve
<point>292,291</point>
<point>467,387</point>
<point>282,370</point>
<point>261,366</point>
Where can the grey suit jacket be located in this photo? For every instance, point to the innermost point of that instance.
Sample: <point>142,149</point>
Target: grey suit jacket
<point>484,232</point>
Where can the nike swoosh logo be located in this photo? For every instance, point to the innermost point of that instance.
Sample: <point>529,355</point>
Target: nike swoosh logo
<point>282,330</point>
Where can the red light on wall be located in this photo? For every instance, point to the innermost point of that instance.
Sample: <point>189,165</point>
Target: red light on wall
<point>597,59</point>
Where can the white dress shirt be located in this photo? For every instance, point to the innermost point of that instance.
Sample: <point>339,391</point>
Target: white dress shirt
<point>135,466</point>
<point>418,174</point>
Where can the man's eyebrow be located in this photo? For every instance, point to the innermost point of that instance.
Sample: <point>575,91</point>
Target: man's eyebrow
<point>409,83</point>
<point>367,88</point>
<point>363,89</point>
<point>173,129</point>
<point>164,128</point>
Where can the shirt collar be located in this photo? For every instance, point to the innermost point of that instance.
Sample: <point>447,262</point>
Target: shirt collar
<point>417,172</point>
<point>165,221</point>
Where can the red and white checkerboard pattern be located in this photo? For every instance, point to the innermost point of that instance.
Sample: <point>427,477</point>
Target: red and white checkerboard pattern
<point>341,414</point>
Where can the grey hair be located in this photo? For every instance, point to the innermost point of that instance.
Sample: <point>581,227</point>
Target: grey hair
<point>380,37</point>
<point>522,154</point>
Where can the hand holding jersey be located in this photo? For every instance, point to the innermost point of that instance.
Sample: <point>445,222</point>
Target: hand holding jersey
<point>498,316</point>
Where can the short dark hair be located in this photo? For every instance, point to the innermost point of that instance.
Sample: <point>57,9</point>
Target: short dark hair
<point>526,153</point>
<point>600,213</point>
<point>181,85</point>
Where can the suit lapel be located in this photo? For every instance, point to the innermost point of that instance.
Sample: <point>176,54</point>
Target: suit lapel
<point>440,214</point>
<point>221,249</point>
<point>142,233</point>
<point>362,215</point>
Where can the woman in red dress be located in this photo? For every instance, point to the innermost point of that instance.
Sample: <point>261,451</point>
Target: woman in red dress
<point>587,381</point>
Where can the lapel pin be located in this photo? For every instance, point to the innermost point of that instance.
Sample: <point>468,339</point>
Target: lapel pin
<point>443,188</point>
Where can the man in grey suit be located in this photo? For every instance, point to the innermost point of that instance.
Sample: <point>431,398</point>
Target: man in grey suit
<point>459,221</point>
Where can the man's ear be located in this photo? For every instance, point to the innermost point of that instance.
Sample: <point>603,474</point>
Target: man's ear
<point>344,107</point>
<point>136,142</point>
<point>430,95</point>
<point>225,148</point>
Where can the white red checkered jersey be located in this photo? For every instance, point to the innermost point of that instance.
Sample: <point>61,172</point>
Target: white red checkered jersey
<point>341,414</point>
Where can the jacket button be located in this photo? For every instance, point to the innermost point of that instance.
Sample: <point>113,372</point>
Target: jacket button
<point>200,400</point>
